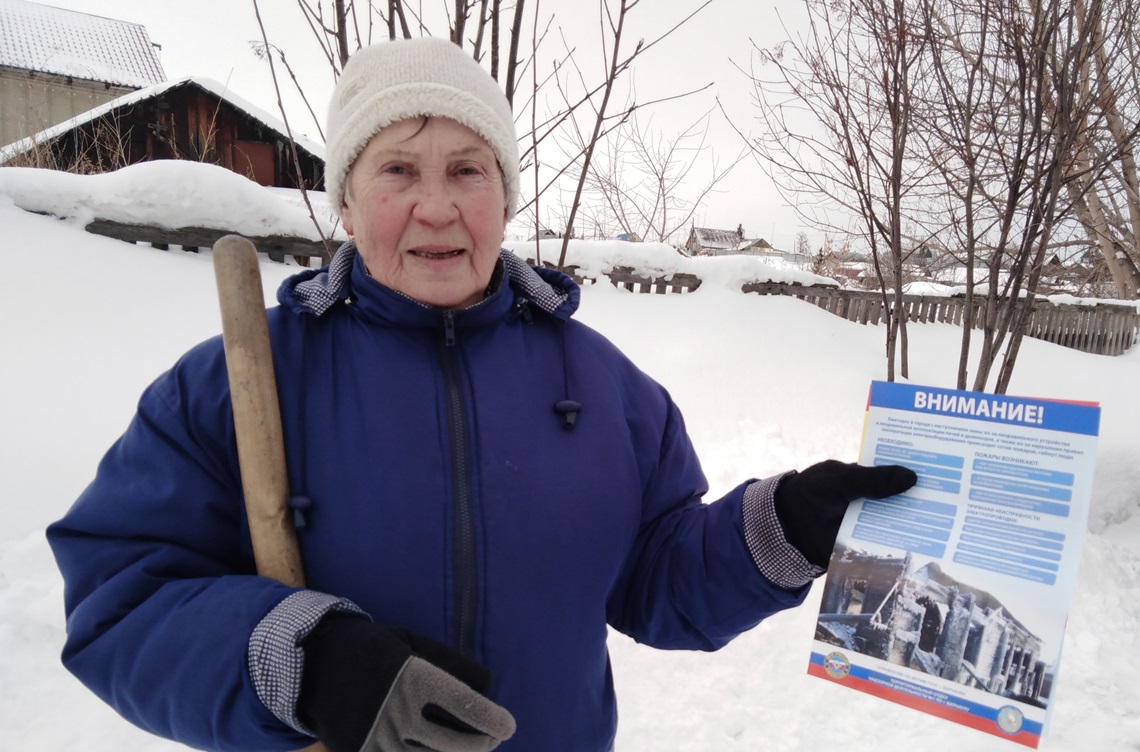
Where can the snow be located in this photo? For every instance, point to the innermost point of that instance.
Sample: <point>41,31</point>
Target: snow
<point>924,287</point>
<point>766,384</point>
<point>659,260</point>
<point>205,195</point>
<point>56,41</point>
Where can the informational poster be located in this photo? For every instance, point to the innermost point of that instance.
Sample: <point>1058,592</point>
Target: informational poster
<point>952,598</point>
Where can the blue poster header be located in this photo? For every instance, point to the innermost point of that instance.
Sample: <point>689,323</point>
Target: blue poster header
<point>1070,417</point>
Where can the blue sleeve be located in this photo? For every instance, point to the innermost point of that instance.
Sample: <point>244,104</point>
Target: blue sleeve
<point>691,581</point>
<point>160,591</point>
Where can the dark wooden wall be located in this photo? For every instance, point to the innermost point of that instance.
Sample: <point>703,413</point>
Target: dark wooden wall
<point>191,123</point>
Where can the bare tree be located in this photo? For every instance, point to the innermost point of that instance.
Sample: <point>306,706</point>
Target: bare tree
<point>1010,124</point>
<point>986,127</point>
<point>340,28</point>
<point>961,95</point>
<point>850,78</point>
<point>802,245</point>
<point>292,142</point>
<point>617,66</point>
<point>1113,227</point>
<point>645,182</point>
<point>1058,48</point>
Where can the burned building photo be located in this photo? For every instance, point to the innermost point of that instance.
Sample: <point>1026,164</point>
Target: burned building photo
<point>881,606</point>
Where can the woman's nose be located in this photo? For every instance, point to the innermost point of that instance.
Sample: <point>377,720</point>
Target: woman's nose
<point>435,206</point>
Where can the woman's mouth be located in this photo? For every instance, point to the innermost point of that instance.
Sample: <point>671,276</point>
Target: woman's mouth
<point>432,254</point>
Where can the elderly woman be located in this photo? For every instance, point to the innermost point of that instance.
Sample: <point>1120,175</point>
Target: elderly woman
<point>489,483</point>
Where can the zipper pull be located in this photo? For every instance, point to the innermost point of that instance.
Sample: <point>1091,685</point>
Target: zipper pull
<point>449,329</point>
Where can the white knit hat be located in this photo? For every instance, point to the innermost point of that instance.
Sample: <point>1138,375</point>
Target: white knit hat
<point>409,78</point>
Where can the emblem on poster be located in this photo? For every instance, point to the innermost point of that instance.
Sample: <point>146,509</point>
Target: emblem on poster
<point>837,666</point>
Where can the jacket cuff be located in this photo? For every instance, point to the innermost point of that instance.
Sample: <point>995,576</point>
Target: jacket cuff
<point>275,656</point>
<point>779,561</point>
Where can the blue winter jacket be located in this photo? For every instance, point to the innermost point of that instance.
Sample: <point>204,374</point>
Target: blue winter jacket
<point>448,496</point>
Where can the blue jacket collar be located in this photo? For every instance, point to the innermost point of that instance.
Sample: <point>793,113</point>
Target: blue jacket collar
<point>317,291</point>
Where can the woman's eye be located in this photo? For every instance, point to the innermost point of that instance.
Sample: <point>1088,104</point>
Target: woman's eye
<point>469,170</point>
<point>396,169</point>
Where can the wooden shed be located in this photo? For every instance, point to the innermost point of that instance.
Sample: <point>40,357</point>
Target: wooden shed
<point>194,119</point>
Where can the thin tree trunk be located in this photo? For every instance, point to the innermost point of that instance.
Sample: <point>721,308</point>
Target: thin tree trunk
<point>341,32</point>
<point>534,141</point>
<point>598,121</point>
<point>1090,213</point>
<point>495,39</point>
<point>478,51</point>
<point>460,22</point>
<point>513,62</point>
<point>1121,266</point>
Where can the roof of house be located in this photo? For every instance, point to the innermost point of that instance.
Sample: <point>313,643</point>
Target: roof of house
<point>710,238</point>
<point>729,240</point>
<point>63,42</point>
<point>213,87</point>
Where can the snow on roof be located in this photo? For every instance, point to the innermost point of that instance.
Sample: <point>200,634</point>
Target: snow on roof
<point>711,238</point>
<point>66,43</point>
<point>215,88</point>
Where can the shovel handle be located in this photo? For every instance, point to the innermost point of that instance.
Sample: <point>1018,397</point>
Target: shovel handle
<point>257,413</point>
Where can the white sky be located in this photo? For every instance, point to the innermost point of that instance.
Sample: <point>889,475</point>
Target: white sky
<point>211,38</point>
<point>766,384</point>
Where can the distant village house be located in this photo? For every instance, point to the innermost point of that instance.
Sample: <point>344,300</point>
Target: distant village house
<point>707,241</point>
<point>544,234</point>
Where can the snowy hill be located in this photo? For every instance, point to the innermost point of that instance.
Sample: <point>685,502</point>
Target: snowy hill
<point>766,384</point>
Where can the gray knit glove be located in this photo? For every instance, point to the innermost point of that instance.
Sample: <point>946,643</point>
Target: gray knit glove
<point>428,708</point>
<point>368,687</point>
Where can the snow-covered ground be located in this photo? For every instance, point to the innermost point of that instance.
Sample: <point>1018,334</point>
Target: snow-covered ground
<point>766,384</point>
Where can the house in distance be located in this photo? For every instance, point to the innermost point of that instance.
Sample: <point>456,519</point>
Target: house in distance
<point>707,241</point>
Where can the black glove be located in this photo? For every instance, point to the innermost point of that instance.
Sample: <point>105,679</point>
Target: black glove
<point>371,688</point>
<point>810,504</point>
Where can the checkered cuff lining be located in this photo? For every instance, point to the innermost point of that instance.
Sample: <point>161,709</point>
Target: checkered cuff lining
<point>779,561</point>
<point>275,655</point>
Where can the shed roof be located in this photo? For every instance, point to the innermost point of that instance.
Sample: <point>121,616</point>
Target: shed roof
<point>67,43</point>
<point>205,84</point>
<point>708,237</point>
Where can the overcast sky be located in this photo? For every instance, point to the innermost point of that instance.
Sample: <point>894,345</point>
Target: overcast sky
<point>212,38</point>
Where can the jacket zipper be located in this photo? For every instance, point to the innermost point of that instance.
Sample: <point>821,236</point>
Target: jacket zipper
<point>464,562</point>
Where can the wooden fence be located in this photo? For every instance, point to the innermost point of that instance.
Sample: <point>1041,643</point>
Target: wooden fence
<point>1105,329</point>
<point>277,247</point>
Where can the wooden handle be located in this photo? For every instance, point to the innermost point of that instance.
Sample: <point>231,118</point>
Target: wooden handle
<point>257,414</point>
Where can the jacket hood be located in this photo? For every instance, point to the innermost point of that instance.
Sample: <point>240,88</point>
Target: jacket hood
<point>317,291</point>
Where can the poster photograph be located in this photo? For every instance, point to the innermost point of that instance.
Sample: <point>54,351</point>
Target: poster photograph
<point>952,598</point>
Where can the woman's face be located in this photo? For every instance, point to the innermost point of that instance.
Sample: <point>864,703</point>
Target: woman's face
<point>426,205</point>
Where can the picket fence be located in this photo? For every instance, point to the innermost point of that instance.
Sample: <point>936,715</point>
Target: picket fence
<point>1103,328</point>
